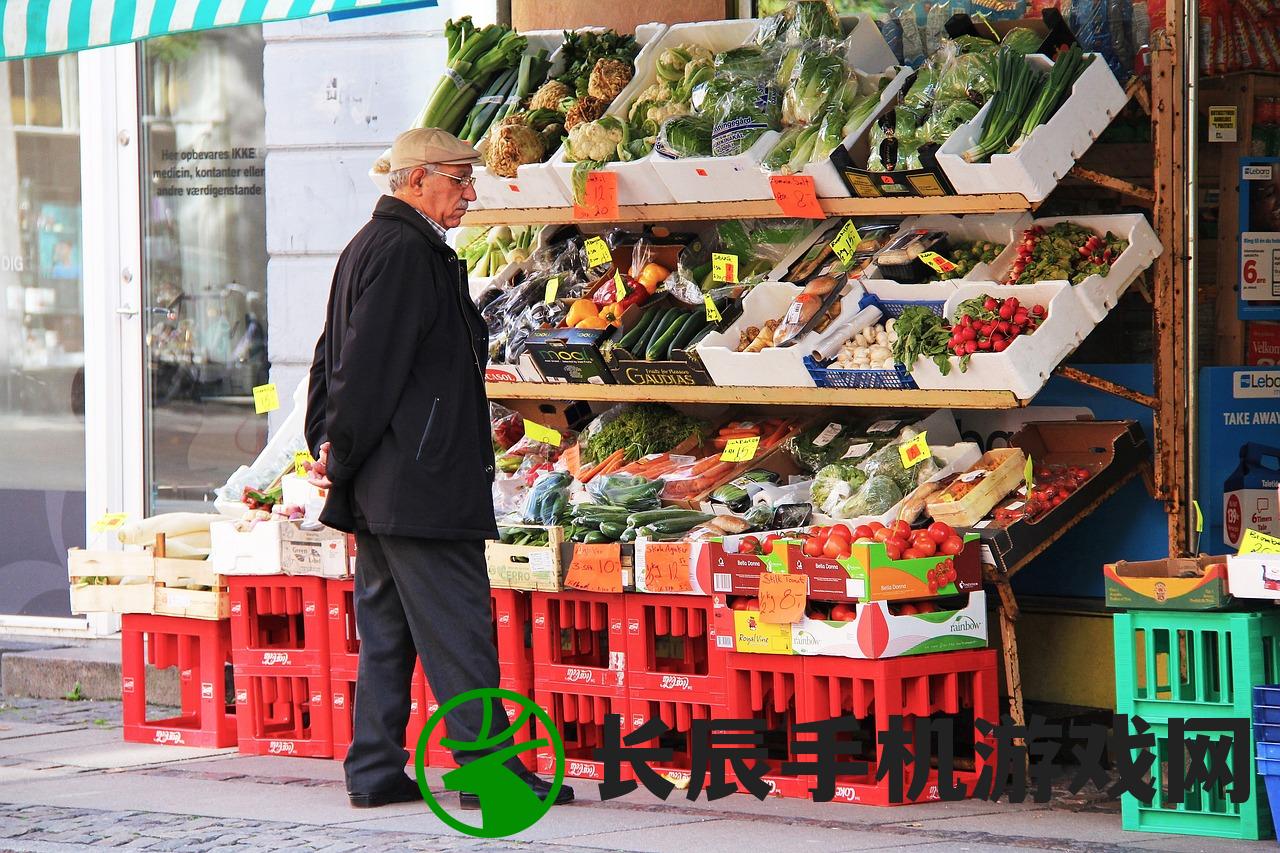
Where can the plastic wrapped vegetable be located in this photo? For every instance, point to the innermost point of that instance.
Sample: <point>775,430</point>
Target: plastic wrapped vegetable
<point>812,19</point>
<point>685,136</point>
<point>746,61</point>
<point>887,462</point>
<point>834,484</point>
<point>548,501</point>
<point>672,61</point>
<point>741,110</point>
<point>878,495</point>
<point>823,443</point>
<point>817,73</point>
<point>626,490</point>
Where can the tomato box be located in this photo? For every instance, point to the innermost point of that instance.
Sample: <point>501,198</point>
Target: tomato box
<point>1176,583</point>
<point>720,562</point>
<point>868,574</point>
<point>877,633</point>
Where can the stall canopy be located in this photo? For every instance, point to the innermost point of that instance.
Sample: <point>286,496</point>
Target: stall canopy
<point>39,27</point>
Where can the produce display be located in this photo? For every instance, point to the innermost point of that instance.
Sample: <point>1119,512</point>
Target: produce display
<point>966,255</point>
<point>988,324</point>
<point>1063,251</point>
<point>487,251</point>
<point>474,59</point>
<point>869,349</point>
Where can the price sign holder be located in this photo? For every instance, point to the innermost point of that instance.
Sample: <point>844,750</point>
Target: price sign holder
<point>598,253</point>
<point>110,521</point>
<point>1028,474</point>
<point>713,313</point>
<point>301,460</point>
<point>666,566</point>
<point>724,267</point>
<point>596,568</point>
<point>914,451</point>
<point>544,434</point>
<point>553,289</point>
<point>600,197</point>
<point>782,597</point>
<point>740,449</point>
<point>797,195</point>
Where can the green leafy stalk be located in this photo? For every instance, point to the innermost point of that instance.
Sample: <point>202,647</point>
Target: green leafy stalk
<point>1066,70</point>
<point>1016,85</point>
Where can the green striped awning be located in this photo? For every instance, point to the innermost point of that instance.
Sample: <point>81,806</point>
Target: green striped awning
<point>39,27</point>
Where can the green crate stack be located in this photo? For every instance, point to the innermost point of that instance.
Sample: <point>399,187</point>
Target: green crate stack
<point>1183,664</point>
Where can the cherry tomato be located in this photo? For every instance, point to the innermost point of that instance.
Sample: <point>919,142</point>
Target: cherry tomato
<point>901,528</point>
<point>893,549</point>
<point>812,547</point>
<point>938,532</point>
<point>749,545</point>
<point>864,531</point>
<point>951,546</point>
<point>933,586</point>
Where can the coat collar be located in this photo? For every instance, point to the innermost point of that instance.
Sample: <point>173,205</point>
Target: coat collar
<point>390,207</point>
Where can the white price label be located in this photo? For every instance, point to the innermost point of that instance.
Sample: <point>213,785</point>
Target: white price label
<point>827,435</point>
<point>540,562</point>
<point>1016,505</point>
<point>1222,124</point>
<point>857,451</point>
<point>1260,266</point>
<point>880,427</point>
<point>987,556</point>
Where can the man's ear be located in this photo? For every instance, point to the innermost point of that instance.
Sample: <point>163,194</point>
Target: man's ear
<point>419,178</point>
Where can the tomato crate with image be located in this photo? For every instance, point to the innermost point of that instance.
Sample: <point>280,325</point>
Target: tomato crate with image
<point>579,641</point>
<point>278,622</point>
<point>672,646</point>
<point>579,718</point>
<point>284,714</point>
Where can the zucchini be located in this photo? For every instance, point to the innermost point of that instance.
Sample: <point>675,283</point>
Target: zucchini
<point>628,535</point>
<point>655,331</point>
<point>613,530</point>
<point>639,519</point>
<point>595,537</point>
<point>671,526</point>
<point>637,332</point>
<point>690,328</point>
<point>660,344</point>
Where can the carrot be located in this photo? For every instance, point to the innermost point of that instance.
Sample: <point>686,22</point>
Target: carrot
<point>736,433</point>
<point>573,459</point>
<point>607,465</point>
<point>777,435</point>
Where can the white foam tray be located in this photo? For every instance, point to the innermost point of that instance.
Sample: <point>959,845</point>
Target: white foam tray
<point>1026,364</point>
<point>1051,150</point>
<point>997,227</point>
<point>1100,293</point>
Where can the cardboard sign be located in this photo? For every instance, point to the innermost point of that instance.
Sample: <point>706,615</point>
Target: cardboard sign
<point>936,261</point>
<point>265,399</point>
<point>598,253</point>
<point>713,313</point>
<point>1259,543</point>
<point>1028,474</point>
<point>599,198</point>
<point>914,451</point>
<point>782,597</point>
<point>796,196</point>
<point>596,568</point>
<point>553,288</point>
<point>846,242</point>
<point>301,460</point>
<point>1222,124</point>
<point>544,434</point>
<point>110,521</point>
<point>724,267</point>
<point>666,567</point>
<point>740,449</point>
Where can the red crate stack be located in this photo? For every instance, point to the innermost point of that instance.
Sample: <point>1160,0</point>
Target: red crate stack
<point>439,756</point>
<point>280,652</point>
<point>768,687</point>
<point>960,685</point>
<point>672,650</point>
<point>343,688</point>
<point>200,650</point>
<point>579,641</point>
<point>512,623</point>
<point>344,640</point>
<point>578,713</point>
<point>678,715</point>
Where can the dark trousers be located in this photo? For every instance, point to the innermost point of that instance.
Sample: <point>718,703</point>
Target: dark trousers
<point>430,598</point>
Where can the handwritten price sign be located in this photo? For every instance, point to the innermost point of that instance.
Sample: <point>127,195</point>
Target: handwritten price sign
<point>724,267</point>
<point>782,597</point>
<point>301,460</point>
<point>846,242</point>
<point>939,263</point>
<point>265,399</point>
<point>596,568</point>
<point>598,253</point>
<point>600,198</point>
<point>543,434</point>
<point>914,451</point>
<point>740,449</point>
<point>666,567</point>
<point>796,196</point>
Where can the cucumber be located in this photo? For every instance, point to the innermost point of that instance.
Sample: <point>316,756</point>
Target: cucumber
<point>672,526</point>
<point>652,516</point>
<point>637,331</point>
<point>595,537</point>
<point>655,331</point>
<point>688,329</point>
<point>628,535</point>
<point>660,344</point>
<point>613,529</point>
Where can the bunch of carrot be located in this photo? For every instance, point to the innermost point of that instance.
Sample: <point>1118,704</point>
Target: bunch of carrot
<point>710,471</point>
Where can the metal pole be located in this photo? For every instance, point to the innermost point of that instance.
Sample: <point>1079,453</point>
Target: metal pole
<point>1192,75</point>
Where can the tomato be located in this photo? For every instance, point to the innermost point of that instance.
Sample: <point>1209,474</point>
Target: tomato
<point>884,534</point>
<point>909,609</point>
<point>913,554</point>
<point>836,546</point>
<point>893,549</point>
<point>739,604</point>
<point>841,530</point>
<point>901,528</point>
<point>864,531</point>
<point>812,547</point>
<point>749,545</point>
<point>951,546</point>
<point>753,604</point>
<point>939,532</point>
<point>875,525</point>
<point>843,613</point>
<point>767,547</point>
<point>925,545</point>
<point>933,586</point>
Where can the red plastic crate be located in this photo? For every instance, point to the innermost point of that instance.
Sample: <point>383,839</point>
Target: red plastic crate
<point>959,684</point>
<point>767,686</point>
<point>512,626</point>
<point>284,714</point>
<point>200,649</point>
<point>679,715</point>
<point>344,640</point>
<point>579,641</point>
<point>342,685</point>
<point>278,623</point>
<point>439,756</point>
<point>672,649</point>
<point>579,718</point>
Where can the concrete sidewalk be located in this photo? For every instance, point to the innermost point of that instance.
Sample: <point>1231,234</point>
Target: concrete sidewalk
<point>67,781</point>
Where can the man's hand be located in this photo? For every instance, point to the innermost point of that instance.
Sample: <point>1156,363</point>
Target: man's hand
<point>317,475</point>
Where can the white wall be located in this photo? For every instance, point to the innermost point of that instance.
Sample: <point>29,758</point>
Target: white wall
<point>336,95</point>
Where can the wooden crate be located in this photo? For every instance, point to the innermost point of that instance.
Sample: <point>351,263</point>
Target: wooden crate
<point>106,570</point>
<point>536,568</point>
<point>172,598</point>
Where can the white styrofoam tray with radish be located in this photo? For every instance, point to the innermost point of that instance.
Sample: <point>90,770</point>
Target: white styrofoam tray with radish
<point>1050,151</point>
<point>1024,362</point>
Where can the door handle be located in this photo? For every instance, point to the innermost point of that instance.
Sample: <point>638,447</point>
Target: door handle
<point>127,311</point>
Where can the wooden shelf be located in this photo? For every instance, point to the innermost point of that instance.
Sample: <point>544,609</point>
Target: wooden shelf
<point>768,208</point>
<point>862,397</point>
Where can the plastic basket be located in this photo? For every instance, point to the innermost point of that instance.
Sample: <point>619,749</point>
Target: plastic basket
<point>897,379</point>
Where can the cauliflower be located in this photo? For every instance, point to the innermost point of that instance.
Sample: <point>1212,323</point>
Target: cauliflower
<point>608,78</point>
<point>514,145</point>
<point>596,140</point>
<point>658,113</point>
<point>549,96</point>
<point>584,109</point>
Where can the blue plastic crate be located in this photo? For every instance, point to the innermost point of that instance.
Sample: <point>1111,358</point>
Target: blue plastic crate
<point>1268,750</point>
<point>834,377</point>
<point>1266,714</point>
<point>1266,694</point>
<point>1266,733</point>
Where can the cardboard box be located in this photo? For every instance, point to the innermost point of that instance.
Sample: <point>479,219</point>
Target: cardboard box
<point>255,551</point>
<point>876,633</point>
<point>1254,575</point>
<point>684,368</point>
<point>537,568</point>
<point>869,575</point>
<point>314,552</point>
<point>1112,450</point>
<point>994,484</point>
<point>751,634</point>
<point>96,580</point>
<point>1159,585</point>
<point>570,355</point>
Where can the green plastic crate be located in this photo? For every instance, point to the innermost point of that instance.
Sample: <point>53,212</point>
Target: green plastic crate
<point>1206,812</point>
<point>1193,664</point>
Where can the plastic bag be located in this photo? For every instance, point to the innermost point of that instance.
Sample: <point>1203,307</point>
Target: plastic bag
<point>741,109</point>
<point>507,426</point>
<point>834,484</point>
<point>878,495</point>
<point>548,500</point>
<point>626,490</point>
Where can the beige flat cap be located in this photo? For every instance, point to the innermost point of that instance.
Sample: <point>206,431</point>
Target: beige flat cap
<point>424,145</point>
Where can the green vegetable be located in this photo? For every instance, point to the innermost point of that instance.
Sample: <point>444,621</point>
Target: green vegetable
<point>921,333</point>
<point>1066,70</point>
<point>595,537</point>
<point>640,429</point>
<point>657,330</point>
<point>613,530</point>
<point>640,519</point>
<point>1016,85</point>
<point>780,154</point>
<point>814,77</point>
<point>685,136</point>
<point>834,483</point>
<point>692,325</point>
<point>662,342</point>
<point>629,491</point>
<point>628,535</point>
<point>637,332</point>
<point>671,526</point>
<point>473,58</point>
<point>747,61</point>
<point>1022,40</point>
<point>812,19</point>
<point>735,496</point>
<point>878,495</point>
<point>581,50</point>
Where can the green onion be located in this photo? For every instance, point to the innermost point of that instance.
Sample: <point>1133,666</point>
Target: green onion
<point>1016,85</point>
<point>1066,70</point>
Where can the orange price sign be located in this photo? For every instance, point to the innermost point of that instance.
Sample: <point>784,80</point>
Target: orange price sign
<point>797,196</point>
<point>596,568</point>
<point>782,597</point>
<point>666,567</point>
<point>600,198</point>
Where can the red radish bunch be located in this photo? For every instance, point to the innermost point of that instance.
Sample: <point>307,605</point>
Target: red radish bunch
<point>988,324</point>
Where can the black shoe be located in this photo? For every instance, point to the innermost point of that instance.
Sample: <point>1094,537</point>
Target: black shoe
<point>407,793</point>
<point>537,784</point>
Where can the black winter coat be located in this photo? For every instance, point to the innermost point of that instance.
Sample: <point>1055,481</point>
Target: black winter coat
<point>397,387</point>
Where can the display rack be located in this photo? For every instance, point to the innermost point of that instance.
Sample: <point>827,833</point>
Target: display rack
<point>756,396</point>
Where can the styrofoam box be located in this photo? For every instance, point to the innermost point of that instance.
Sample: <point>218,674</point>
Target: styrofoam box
<point>694,179</point>
<point>298,491</point>
<point>1026,364</point>
<point>1254,575</point>
<point>252,552</point>
<point>776,366</point>
<point>1100,293</point>
<point>892,291</point>
<point>1003,228</point>
<point>1051,150</point>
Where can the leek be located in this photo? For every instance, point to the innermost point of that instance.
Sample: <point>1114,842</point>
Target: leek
<point>1066,70</point>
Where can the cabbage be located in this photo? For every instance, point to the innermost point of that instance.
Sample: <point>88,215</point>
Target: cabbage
<point>878,495</point>
<point>834,484</point>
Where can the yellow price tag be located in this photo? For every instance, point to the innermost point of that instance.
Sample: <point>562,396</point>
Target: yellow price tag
<point>553,288</point>
<point>1028,473</point>
<point>543,434</point>
<point>740,449</point>
<point>846,242</point>
<point>1259,543</point>
<point>1199,517</point>
<point>617,282</point>
<point>713,313</point>
<point>598,253</point>
<point>265,399</point>
<point>939,263</point>
<point>724,267</point>
<point>301,460</point>
<point>914,451</point>
<point>110,521</point>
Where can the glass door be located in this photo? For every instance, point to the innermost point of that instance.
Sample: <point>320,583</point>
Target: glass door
<point>204,317</point>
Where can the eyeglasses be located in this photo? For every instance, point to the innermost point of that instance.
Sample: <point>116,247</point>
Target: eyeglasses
<point>465,183</point>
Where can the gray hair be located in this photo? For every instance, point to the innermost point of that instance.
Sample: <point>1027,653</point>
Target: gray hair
<point>399,179</point>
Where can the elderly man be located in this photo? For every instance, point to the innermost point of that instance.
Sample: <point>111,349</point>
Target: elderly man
<point>399,424</point>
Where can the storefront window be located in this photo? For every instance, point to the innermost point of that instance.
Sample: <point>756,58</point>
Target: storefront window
<point>204,220</point>
<point>42,450</point>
